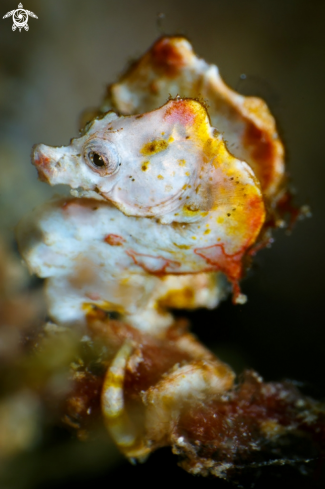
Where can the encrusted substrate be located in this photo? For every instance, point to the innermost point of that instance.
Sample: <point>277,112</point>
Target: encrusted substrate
<point>250,423</point>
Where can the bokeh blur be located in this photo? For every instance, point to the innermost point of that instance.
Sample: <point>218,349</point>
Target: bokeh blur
<point>270,48</point>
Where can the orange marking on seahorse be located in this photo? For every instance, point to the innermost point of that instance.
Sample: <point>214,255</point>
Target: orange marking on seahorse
<point>230,265</point>
<point>114,240</point>
<point>181,111</point>
<point>159,268</point>
<point>167,57</point>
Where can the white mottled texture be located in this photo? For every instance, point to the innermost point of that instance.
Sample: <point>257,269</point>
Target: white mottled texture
<point>181,205</point>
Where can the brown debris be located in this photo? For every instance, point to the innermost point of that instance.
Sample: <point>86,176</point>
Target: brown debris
<point>251,424</point>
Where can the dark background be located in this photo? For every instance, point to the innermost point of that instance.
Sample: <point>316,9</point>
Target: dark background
<point>62,65</point>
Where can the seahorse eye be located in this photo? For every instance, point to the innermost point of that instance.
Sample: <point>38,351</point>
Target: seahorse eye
<point>102,157</point>
<point>96,159</point>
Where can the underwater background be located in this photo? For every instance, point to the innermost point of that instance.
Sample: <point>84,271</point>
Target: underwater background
<point>272,49</point>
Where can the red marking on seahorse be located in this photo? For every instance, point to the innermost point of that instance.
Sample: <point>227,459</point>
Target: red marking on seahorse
<point>230,265</point>
<point>167,56</point>
<point>263,150</point>
<point>114,240</point>
<point>180,111</point>
<point>153,264</point>
<point>40,160</point>
<point>42,164</point>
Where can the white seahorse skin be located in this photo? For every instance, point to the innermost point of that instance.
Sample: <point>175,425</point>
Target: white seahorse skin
<point>186,385</point>
<point>171,68</point>
<point>182,205</point>
<point>159,161</point>
<point>64,242</point>
<point>187,177</point>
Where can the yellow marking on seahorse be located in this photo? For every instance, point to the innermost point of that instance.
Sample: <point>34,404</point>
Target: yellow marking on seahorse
<point>153,147</point>
<point>116,418</point>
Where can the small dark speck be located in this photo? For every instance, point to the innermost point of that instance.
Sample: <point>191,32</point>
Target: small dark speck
<point>228,215</point>
<point>78,155</point>
<point>95,208</point>
<point>231,178</point>
<point>187,137</point>
<point>120,164</point>
<point>130,176</point>
<point>234,208</point>
<point>113,315</point>
<point>133,179</point>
